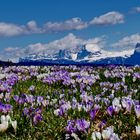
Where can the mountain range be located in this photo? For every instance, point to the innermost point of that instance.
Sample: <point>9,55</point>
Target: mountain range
<point>83,54</point>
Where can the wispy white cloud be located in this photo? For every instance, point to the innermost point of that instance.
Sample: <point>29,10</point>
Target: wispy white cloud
<point>7,29</point>
<point>109,18</point>
<point>71,24</point>
<point>136,9</point>
<point>11,53</point>
<point>128,41</point>
<point>31,27</point>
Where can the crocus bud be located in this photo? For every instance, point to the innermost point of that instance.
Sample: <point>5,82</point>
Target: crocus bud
<point>138,130</point>
<point>14,124</point>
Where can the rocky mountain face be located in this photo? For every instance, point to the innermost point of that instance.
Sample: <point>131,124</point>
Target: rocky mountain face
<point>82,55</point>
<point>135,57</point>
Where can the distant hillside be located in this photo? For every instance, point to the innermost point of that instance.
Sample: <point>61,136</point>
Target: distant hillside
<point>6,63</point>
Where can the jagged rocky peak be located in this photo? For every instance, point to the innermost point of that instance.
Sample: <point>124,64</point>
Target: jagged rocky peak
<point>137,48</point>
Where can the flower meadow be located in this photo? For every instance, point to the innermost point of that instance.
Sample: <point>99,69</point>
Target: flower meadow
<point>70,102</point>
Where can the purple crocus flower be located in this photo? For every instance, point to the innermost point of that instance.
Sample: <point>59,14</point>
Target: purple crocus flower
<point>32,88</point>
<point>1,107</point>
<point>74,103</point>
<point>106,101</point>
<point>71,128</point>
<point>136,102</point>
<point>102,124</point>
<point>5,108</point>
<point>8,107</point>
<point>88,106</point>
<point>94,111</point>
<point>111,96</point>
<point>16,98</point>
<point>61,111</point>
<point>37,118</point>
<point>30,99</point>
<point>110,110</point>
<point>26,111</point>
<point>129,105</point>
<point>92,114</point>
<point>82,125</point>
<point>39,100</point>
<point>21,101</point>
<point>137,110</point>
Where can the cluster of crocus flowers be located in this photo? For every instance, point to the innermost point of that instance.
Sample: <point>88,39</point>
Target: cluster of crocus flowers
<point>33,114</point>
<point>86,99</point>
<point>5,108</point>
<point>74,126</point>
<point>106,134</point>
<point>5,122</point>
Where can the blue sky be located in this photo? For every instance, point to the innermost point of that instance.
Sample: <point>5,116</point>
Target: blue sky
<point>41,21</point>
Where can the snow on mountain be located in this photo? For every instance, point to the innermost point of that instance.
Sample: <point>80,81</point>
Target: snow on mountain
<point>83,53</point>
<point>73,49</point>
<point>74,56</point>
<point>102,54</point>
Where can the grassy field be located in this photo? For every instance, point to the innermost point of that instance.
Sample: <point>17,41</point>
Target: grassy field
<point>70,102</point>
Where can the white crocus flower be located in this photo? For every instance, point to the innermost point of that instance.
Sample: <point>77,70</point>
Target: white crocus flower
<point>106,134</point>
<point>56,112</point>
<point>116,104</point>
<point>14,124</point>
<point>75,136</point>
<point>3,126</point>
<point>45,102</point>
<point>5,120</point>
<point>79,106</point>
<point>98,135</point>
<point>113,91</point>
<point>8,118</point>
<point>134,79</point>
<point>93,136</point>
<point>4,123</point>
<point>138,130</point>
<point>1,95</point>
<point>123,79</point>
<point>54,101</point>
<point>114,137</point>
